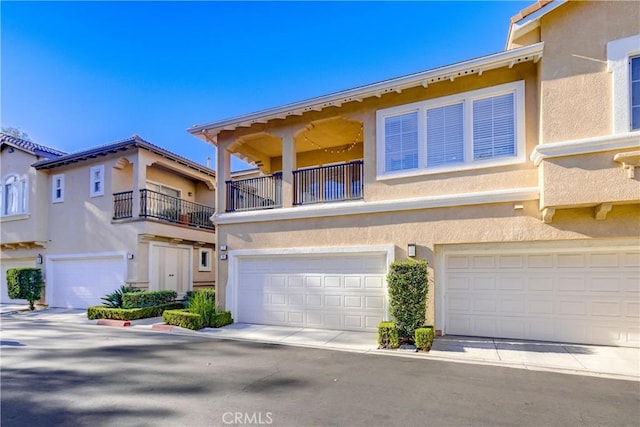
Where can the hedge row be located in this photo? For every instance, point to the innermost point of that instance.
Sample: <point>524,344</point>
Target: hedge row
<point>185,319</point>
<point>148,298</point>
<point>102,312</point>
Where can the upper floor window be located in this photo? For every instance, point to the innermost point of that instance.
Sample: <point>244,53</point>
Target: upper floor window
<point>206,259</point>
<point>97,181</point>
<point>623,62</point>
<point>474,129</point>
<point>14,195</point>
<point>634,63</point>
<point>57,188</point>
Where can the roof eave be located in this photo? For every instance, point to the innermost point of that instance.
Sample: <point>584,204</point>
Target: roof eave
<point>530,22</point>
<point>209,131</point>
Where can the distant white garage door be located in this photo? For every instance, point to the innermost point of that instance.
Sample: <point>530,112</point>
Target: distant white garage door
<point>346,291</point>
<point>6,265</point>
<point>588,296</point>
<point>80,282</point>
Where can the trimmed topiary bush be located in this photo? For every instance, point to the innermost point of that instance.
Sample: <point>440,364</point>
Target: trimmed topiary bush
<point>387,335</point>
<point>102,312</point>
<point>221,319</point>
<point>424,338</point>
<point>183,318</point>
<point>408,285</point>
<point>25,283</point>
<point>148,298</point>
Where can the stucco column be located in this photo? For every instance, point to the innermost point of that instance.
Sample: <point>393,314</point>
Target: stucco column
<point>223,174</point>
<point>139,183</point>
<point>289,164</point>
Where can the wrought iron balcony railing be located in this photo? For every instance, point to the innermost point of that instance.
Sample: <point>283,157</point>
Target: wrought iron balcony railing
<point>264,192</point>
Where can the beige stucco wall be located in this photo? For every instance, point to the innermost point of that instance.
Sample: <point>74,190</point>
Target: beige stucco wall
<point>576,88</point>
<point>428,228</point>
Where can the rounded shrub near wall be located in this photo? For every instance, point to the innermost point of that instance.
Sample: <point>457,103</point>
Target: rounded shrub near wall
<point>407,282</point>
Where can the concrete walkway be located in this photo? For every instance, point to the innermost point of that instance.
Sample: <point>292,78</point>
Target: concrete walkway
<point>601,361</point>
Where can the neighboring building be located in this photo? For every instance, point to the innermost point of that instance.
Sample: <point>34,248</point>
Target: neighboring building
<point>512,174</point>
<point>23,205</point>
<point>123,213</point>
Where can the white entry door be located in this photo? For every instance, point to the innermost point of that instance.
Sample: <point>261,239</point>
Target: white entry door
<point>589,296</point>
<point>327,291</point>
<point>170,268</point>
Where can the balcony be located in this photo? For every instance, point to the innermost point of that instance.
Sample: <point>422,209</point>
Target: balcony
<point>164,208</point>
<point>323,184</point>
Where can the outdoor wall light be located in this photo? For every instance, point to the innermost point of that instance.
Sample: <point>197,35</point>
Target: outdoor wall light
<point>411,249</point>
<point>39,259</point>
<point>129,255</point>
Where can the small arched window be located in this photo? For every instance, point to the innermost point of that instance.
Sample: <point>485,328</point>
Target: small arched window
<point>14,195</point>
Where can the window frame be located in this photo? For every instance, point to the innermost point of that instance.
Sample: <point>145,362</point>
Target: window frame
<point>54,197</point>
<point>619,55</point>
<point>467,98</point>
<point>631,82</point>
<point>93,181</point>
<point>205,266</point>
<point>22,183</point>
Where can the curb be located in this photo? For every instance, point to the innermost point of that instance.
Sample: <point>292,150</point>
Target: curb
<point>162,327</point>
<point>111,322</point>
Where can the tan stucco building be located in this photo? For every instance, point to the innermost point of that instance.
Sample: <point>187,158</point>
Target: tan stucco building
<point>512,174</point>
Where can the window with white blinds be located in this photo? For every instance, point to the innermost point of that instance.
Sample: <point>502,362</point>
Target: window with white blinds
<point>474,129</point>
<point>445,135</point>
<point>635,92</point>
<point>401,142</point>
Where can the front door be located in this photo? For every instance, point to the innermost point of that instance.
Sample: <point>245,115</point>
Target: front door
<point>170,268</point>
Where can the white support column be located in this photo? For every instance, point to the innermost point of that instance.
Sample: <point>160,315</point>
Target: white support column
<point>289,164</point>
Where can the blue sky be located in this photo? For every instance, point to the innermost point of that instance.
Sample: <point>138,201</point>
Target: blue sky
<point>79,74</point>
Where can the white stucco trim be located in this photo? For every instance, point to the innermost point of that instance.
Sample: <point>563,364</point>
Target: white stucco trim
<point>618,54</point>
<point>540,247</point>
<point>50,259</point>
<point>585,146</point>
<point>231,287</point>
<point>530,22</point>
<point>362,207</point>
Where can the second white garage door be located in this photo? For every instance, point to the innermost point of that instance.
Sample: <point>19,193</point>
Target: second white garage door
<point>80,282</point>
<point>576,295</point>
<point>341,291</point>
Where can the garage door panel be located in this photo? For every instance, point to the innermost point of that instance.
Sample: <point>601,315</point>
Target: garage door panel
<point>335,292</point>
<point>573,296</point>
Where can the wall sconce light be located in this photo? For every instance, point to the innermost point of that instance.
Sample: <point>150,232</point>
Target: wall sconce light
<point>129,255</point>
<point>411,250</point>
<point>39,259</point>
<point>190,193</point>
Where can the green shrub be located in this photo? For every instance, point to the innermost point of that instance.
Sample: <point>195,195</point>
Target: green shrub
<point>182,318</point>
<point>189,294</point>
<point>25,283</point>
<point>203,303</point>
<point>148,298</point>
<point>424,338</point>
<point>102,312</point>
<point>387,335</point>
<point>114,299</point>
<point>221,319</point>
<point>407,284</point>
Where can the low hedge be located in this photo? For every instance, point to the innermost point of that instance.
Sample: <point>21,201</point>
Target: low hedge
<point>182,318</point>
<point>148,298</point>
<point>185,319</point>
<point>424,338</point>
<point>102,312</point>
<point>388,335</point>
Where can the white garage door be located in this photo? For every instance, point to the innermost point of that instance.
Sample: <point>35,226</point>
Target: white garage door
<point>346,291</point>
<point>576,296</point>
<point>6,265</point>
<point>80,282</point>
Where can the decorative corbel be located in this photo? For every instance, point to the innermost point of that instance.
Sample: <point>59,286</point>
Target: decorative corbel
<point>547,215</point>
<point>602,210</point>
<point>629,161</point>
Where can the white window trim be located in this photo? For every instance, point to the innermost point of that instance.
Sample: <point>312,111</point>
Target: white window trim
<point>201,266</point>
<point>92,181</point>
<point>618,54</point>
<point>467,98</point>
<point>24,199</point>
<point>55,199</point>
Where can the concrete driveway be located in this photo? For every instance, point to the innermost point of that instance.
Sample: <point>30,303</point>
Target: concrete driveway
<point>590,360</point>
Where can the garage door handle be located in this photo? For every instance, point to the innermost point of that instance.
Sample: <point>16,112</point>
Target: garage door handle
<point>171,275</point>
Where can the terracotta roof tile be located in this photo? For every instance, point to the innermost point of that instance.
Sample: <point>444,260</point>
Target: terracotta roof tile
<point>529,10</point>
<point>30,146</point>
